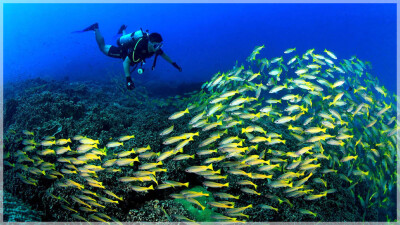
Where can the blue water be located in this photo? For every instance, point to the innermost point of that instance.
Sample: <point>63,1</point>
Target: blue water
<point>202,38</point>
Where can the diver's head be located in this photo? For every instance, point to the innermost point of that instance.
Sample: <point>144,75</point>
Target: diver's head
<point>155,41</point>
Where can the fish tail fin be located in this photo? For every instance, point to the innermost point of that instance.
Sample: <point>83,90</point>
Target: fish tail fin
<point>210,167</point>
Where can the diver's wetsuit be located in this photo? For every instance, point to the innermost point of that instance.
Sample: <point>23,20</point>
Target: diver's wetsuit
<point>141,51</point>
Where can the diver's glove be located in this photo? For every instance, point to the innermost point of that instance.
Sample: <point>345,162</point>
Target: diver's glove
<point>176,66</point>
<point>129,83</point>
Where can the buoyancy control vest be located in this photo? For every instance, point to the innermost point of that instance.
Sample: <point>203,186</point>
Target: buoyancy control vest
<point>139,39</point>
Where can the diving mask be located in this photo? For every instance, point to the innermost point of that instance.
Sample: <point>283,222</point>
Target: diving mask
<point>156,45</point>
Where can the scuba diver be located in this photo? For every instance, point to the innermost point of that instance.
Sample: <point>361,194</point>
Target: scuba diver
<point>133,48</point>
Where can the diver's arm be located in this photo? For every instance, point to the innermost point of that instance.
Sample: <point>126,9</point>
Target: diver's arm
<point>168,59</point>
<point>126,64</point>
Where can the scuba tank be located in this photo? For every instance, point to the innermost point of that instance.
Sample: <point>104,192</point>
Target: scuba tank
<point>138,34</point>
<point>131,38</point>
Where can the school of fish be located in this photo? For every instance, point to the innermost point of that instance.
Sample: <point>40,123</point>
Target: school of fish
<point>279,133</point>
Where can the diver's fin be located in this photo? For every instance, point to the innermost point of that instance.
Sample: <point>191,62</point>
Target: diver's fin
<point>123,27</point>
<point>91,27</point>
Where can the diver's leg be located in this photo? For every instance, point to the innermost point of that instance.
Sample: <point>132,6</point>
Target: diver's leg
<point>122,29</point>
<point>101,43</point>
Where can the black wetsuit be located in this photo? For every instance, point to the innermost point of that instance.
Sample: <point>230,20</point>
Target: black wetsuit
<point>141,51</point>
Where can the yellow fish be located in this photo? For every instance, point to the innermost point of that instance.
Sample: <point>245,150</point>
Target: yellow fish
<point>348,158</point>
<point>147,166</point>
<point>268,207</point>
<point>85,147</point>
<point>194,201</point>
<point>193,194</point>
<point>305,211</point>
<point>220,205</point>
<point>125,138</point>
<point>143,149</point>
<point>126,161</point>
<point>250,191</point>
<point>125,153</point>
<point>167,131</point>
<point>77,200</point>
<point>130,179</point>
<point>62,150</point>
<point>63,141</point>
<point>85,209</point>
<point>94,217</point>
<point>113,195</point>
<point>195,169</point>
<point>47,143</point>
<point>215,184</point>
<point>65,171</point>
<point>88,141</point>
<point>47,152</point>
<point>107,200</point>
<point>237,210</point>
<point>109,163</point>
<point>142,189</point>
<point>114,144</point>
<point>26,132</point>
<point>183,157</point>
<point>178,114</point>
